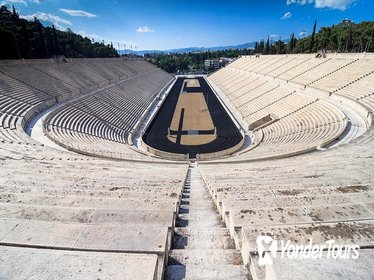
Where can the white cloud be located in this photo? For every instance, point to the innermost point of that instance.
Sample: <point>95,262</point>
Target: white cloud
<point>78,13</point>
<point>7,2</point>
<point>99,39</point>
<point>302,34</point>
<point>300,2</point>
<point>331,4</point>
<point>144,29</point>
<point>287,15</point>
<point>59,22</point>
<point>23,2</point>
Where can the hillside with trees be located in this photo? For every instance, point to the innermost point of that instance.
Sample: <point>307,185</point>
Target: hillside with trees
<point>21,38</point>
<point>343,37</point>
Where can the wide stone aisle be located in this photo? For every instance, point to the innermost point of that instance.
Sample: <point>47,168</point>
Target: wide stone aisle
<point>202,247</point>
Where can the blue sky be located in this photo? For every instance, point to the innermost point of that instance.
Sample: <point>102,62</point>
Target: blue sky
<point>170,24</point>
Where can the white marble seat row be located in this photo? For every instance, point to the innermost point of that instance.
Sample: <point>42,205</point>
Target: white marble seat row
<point>110,114</point>
<point>352,73</point>
<point>16,90</point>
<point>329,74</point>
<point>322,70</point>
<point>35,264</point>
<point>320,196</point>
<point>304,123</point>
<point>72,206</point>
<point>314,196</point>
<point>101,123</point>
<point>38,80</point>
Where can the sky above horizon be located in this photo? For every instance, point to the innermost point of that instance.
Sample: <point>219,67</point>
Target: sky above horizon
<point>162,25</point>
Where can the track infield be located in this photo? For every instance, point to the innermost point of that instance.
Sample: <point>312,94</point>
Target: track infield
<point>192,121</point>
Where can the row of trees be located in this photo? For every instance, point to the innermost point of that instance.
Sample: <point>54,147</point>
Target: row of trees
<point>191,61</point>
<point>21,38</point>
<point>343,37</point>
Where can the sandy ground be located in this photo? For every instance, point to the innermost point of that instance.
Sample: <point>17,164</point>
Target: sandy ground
<point>193,139</point>
<point>192,82</point>
<point>196,117</point>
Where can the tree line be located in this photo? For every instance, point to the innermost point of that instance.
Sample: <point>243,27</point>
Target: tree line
<point>21,38</point>
<point>191,61</point>
<point>343,37</point>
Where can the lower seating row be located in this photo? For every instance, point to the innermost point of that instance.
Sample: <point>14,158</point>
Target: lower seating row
<point>69,215</point>
<point>314,197</point>
<point>129,209</point>
<point>361,90</point>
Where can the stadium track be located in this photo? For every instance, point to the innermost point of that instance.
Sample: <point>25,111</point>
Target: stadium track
<point>228,134</point>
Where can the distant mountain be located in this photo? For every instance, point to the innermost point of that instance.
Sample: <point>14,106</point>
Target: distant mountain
<point>250,45</point>
<point>139,52</point>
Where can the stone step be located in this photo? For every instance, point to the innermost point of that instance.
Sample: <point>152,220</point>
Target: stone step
<point>200,206</point>
<point>201,213</point>
<point>197,219</point>
<point>114,193</point>
<point>199,197</point>
<point>86,215</point>
<point>357,233</point>
<point>206,257</point>
<point>317,268</point>
<point>198,190</point>
<point>146,238</point>
<point>194,191</point>
<point>202,238</point>
<point>90,202</point>
<point>197,272</point>
<point>212,224</point>
<point>28,263</point>
<point>202,247</point>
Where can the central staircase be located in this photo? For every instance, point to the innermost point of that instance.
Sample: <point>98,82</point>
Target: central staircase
<point>202,247</point>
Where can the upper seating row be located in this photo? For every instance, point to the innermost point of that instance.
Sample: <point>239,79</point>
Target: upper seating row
<point>330,74</point>
<point>113,94</point>
<point>110,114</point>
<point>301,122</point>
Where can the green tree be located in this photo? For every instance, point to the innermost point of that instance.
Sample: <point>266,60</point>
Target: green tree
<point>25,41</point>
<point>267,48</point>
<point>42,45</point>
<point>312,38</point>
<point>30,39</point>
